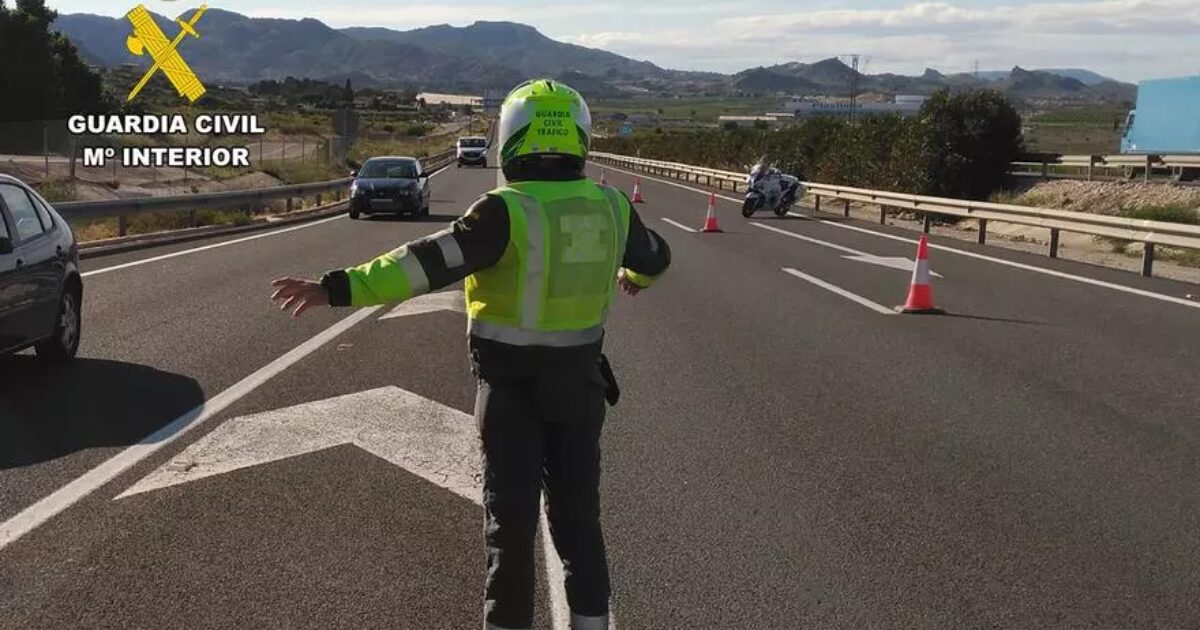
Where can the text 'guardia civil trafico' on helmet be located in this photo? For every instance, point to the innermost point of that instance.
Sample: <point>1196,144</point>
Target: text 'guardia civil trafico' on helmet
<point>544,117</point>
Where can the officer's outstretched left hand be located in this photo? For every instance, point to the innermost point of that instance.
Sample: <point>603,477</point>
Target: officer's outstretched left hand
<point>300,293</point>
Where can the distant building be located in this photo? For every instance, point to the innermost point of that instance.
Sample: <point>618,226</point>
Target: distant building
<point>905,105</point>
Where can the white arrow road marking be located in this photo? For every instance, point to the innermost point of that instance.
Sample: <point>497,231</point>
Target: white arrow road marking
<point>437,443</point>
<point>895,262</point>
<point>45,509</point>
<point>430,303</point>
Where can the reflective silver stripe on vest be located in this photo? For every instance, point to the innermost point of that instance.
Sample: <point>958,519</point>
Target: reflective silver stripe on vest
<point>522,337</point>
<point>451,252</point>
<point>418,282</point>
<point>614,201</point>
<point>535,263</point>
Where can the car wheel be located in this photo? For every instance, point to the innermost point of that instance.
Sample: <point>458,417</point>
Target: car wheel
<point>354,214</point>
<point>64,343</point>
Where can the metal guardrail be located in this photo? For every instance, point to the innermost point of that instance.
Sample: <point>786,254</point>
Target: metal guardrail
<point>122,208</point>
<point>1150,233</point>
<point>1148,162</point>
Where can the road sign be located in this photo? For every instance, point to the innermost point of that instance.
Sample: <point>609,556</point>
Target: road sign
<point>437,443</point>
<point>492,100</point>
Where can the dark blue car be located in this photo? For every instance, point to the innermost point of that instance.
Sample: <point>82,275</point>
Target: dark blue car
<point>390,185</point>
<point>41,290</point>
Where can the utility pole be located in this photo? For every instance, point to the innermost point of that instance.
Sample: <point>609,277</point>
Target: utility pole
<point>854,59</point>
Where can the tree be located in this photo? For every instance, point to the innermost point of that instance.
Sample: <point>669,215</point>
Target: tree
<point>959,146</point>
<point>43,67</point>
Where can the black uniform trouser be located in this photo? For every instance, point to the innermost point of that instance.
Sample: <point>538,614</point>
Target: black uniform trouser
<point>540,412</point>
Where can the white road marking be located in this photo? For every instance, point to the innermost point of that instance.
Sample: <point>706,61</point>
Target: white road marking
<point>1049,272</point>
<point>45,509</point>
<point>453,301</point>
<point>679,225</point>
<point>433,441</point>
<point>560,611</point>
<point>875,306</point>
<point>893,262</point>
<point>194,250</point>
<point>1000,261</point>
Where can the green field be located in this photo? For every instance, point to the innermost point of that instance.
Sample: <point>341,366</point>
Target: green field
<point>1076,130</point>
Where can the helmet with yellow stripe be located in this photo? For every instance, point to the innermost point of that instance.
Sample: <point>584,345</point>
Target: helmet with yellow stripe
<point>543,117</point>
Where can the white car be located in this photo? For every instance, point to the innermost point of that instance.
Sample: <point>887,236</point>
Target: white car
<point>472,150</point>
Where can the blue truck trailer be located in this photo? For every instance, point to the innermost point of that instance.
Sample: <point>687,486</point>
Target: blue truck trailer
<point>1167,118</point>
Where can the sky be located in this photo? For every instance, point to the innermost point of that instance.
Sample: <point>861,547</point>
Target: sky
<point>1128,40</point>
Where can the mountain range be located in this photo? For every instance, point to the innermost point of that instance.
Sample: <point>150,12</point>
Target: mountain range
<point>237,49</point>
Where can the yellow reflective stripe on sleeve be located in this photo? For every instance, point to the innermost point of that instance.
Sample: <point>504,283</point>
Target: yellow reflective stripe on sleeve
<point>642,280</point>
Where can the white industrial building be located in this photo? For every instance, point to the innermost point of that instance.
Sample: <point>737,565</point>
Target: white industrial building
<point>905,105</point>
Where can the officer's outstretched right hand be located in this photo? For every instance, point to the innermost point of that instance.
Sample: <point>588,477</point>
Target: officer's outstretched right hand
<point>299,292</point>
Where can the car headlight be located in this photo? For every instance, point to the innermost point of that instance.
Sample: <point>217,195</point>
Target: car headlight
<point>354,189</point>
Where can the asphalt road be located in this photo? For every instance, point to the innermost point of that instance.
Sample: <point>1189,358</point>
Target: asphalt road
<point>783,456</point>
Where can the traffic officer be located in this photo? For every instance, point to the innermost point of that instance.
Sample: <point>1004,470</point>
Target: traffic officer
<point>542,257</point>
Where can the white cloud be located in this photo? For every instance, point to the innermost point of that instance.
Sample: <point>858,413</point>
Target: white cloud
<point>1130,39</point>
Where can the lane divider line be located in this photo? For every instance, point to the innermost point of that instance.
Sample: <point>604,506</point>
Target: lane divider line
<point>194,250</point>
<point>854,297</point>
<point>48,507</point>
<point>679,225</point>
<point>1000,261</point>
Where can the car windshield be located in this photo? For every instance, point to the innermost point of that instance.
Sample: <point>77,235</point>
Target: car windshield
<point>472,143</point>
<point>389,169</point>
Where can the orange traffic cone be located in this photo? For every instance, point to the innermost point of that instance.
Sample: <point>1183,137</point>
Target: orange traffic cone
<point>920,295</point>
<point>710,220</point>
<point>637,191</point>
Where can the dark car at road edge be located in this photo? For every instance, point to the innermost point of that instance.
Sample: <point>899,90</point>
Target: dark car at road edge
<point>41,289</point>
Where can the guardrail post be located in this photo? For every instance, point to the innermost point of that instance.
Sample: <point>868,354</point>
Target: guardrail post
<point>927,223</point>
<point>289,204</point>
<point>982,231</point>
<point>1054,242</point>
<point>1091,165</point>
<point>817,203</point>
<point>882,214</point>
<point>1045,169</point>
<point>846,209</point>
<point>1148,260</point>
<point>1149,161</point>
<point>318,199</point>
<point>122,225</point>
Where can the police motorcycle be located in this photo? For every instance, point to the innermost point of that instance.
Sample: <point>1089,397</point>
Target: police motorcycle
<point>770,189</point>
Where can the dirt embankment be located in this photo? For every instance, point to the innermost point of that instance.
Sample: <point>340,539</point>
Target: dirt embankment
<point>1111,198</point>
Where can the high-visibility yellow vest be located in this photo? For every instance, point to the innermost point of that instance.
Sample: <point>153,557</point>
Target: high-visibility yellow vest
<point>555,282</point>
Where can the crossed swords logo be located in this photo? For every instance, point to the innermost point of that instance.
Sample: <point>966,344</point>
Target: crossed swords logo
<point>148,37</point>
